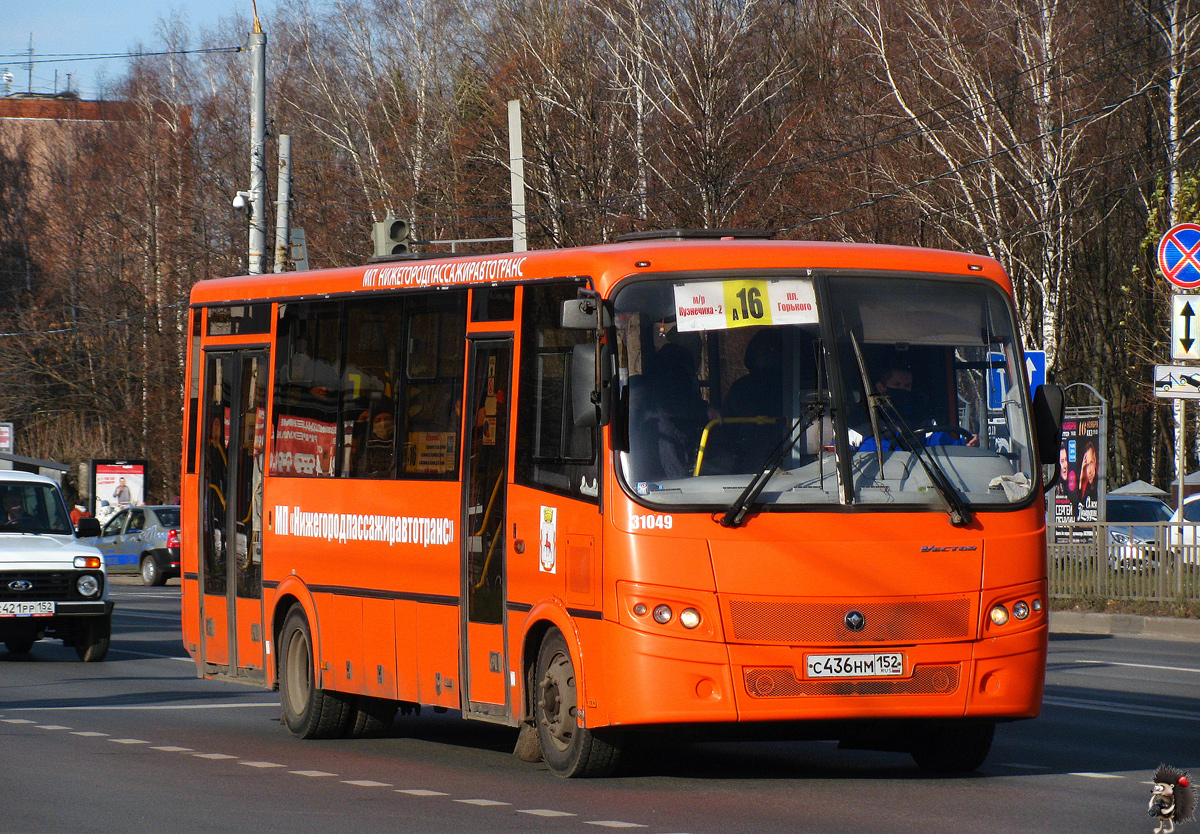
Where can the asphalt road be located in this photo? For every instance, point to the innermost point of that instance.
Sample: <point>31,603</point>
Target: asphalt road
<point>138,743</point>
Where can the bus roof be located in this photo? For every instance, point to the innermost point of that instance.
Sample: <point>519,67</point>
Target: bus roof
<point>605,264</point>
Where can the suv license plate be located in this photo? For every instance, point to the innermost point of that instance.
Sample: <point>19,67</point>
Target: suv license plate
<point>26,609</point>
<point>888,664</point>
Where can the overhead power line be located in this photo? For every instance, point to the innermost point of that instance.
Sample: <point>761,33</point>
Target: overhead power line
<point>25,58</point>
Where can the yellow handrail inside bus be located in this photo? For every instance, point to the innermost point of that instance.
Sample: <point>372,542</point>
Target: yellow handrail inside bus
<point>760,420</point>
<point>483,526</point>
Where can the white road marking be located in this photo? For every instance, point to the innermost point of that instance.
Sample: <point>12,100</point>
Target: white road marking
<point>261,764</point>
<point>89,734</point>
<point>311,773</point>
<point>128,741</point>
<point>52,727</point>
<point>18,721</point>
<point>1140,666</point>
<point>213,756</point>
<point>1098,775</point>
<point>545,812</point>
<point>1122,709</point>
<point>420,792</point>
<point>138,615</point>
<point>174,749</point>
<point>151,655</point>
<point>366,783</point>
<point>1019,766</point>
<point>481,802</point>
<point>615,824</point>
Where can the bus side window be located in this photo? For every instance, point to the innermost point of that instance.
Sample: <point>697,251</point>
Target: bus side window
<point>560,457</point>
<point>369,402</point>
<point>307,390</point>
<point>430,418</point>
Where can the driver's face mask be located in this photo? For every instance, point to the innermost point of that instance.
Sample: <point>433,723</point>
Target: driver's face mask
<point>904,401</point>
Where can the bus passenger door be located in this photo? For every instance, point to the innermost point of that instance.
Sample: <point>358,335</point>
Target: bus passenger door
<point>484,531</point>
<point>231,641</point>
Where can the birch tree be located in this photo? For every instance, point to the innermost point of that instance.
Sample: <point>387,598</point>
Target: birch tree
<point>986,97</point>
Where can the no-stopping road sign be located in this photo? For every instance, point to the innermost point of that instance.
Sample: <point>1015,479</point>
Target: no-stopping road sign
<point>1179,255</point>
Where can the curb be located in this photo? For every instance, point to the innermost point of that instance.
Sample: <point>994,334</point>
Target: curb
<point>1075,622</point>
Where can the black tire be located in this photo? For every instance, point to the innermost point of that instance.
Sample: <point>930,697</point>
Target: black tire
<point>954,746</point>
<point>92,638</point>
<point>370,717</point>
<point>568,749</point>
<point>20,645</point>
<point>152,574</point>
<point>308,712</point>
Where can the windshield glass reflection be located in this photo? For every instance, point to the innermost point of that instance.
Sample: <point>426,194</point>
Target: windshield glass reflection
<point>715,375</point>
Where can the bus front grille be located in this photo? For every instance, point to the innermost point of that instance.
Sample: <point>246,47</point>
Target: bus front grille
<point>807,623</point>
<point>783,683</point>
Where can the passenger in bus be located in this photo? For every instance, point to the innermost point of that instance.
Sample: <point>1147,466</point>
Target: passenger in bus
<point>761,393</point>
<point>757,394</point>
<point>667,415</point>
<point>378,458</point>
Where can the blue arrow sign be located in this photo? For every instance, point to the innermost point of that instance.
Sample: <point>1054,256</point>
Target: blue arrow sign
<point>997,376</point>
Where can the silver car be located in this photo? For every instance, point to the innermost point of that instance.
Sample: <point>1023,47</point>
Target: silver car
<point>142,540</point>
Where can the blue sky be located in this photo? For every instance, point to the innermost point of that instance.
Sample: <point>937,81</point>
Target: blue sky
<point>88,27</point>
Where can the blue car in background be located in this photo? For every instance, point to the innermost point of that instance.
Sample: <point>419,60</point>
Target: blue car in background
<point>141,540</point>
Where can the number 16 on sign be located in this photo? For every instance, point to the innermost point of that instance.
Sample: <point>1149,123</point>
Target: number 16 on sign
<point>1185,326</point>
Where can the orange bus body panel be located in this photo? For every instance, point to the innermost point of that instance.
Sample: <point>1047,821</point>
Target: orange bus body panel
<point>387,613</point>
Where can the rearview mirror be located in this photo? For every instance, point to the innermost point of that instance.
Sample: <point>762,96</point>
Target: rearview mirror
<point>591,385</point>
<point>1047,423</point>
<point>87,528</point>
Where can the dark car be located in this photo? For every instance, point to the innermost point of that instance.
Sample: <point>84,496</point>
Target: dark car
<point>142,540</point>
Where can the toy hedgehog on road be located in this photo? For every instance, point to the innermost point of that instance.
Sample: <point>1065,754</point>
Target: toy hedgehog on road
<point>1172,799</point>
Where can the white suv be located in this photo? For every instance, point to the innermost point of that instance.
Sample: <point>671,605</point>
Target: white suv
<point>50,584</point>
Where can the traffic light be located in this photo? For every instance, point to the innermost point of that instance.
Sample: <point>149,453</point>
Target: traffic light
<point>390,237</point>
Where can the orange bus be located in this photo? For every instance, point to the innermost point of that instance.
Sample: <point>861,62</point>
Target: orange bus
<point>687,479</point>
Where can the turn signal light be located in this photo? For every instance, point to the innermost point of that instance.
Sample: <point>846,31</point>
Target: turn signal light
<point>88,562</point>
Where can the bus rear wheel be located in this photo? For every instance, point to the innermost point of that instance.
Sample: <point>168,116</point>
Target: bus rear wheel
<point>569,749</point>
<point>370,717</point>
<point>954,746</point>
<point>309,712</point>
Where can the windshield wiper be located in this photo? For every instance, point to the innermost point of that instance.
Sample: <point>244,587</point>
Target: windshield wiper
<point>743,503</point>
<point>960,512</point>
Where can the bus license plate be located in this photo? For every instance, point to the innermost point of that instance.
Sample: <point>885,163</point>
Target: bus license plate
<point>26,609</point>
<point>888,664</point>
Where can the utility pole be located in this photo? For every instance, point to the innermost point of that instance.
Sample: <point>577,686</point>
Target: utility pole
<point>516,163</point>
<point>283,204</point>
<point>258,142</point>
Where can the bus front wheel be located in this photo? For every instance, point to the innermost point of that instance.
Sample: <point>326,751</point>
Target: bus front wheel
<point>309,712</point>
<point>954,746</point>
<point>569,749</point>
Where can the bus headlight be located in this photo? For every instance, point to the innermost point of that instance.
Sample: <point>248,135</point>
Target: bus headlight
<point>999,615</point>
<point>1020,610</point>
<point>689,618</point>
<point>662,614</point>
<point>87,585</point>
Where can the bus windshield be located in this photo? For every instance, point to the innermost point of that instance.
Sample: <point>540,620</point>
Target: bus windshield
<point>890,390</point>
